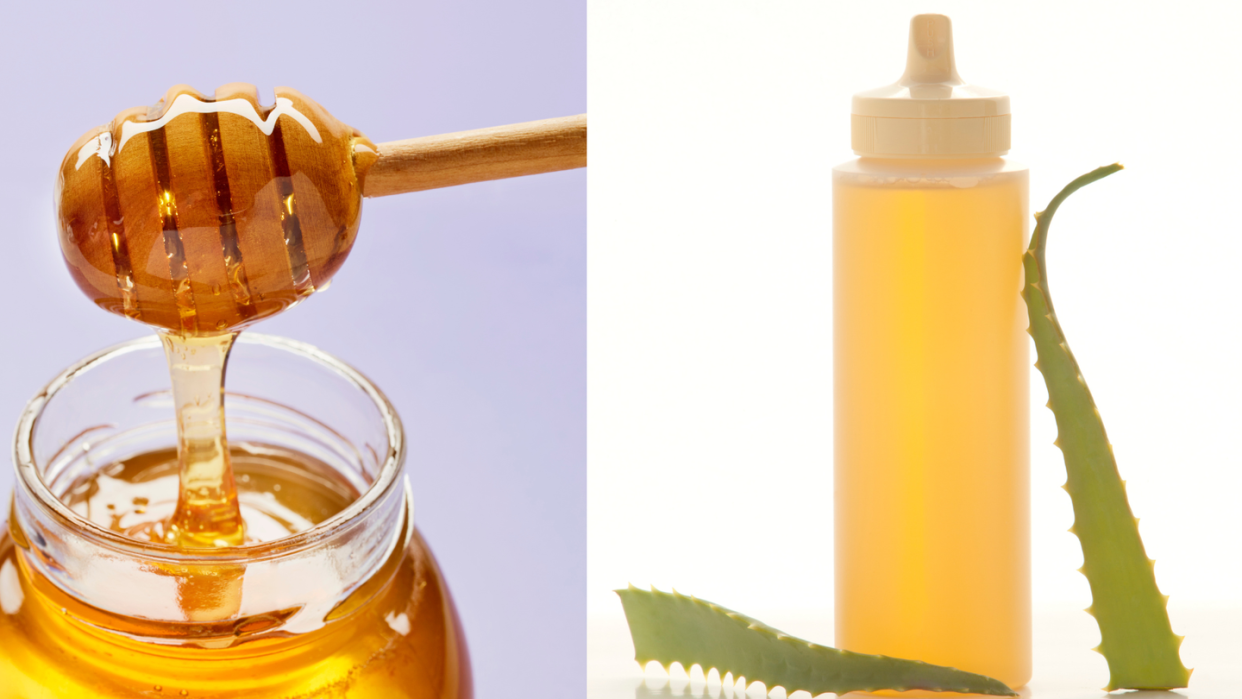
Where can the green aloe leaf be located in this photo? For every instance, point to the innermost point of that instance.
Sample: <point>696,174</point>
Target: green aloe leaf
<point>672,628</point>
<point>1137,639</point>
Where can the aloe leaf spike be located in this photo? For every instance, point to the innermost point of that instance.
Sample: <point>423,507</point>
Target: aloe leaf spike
<point>670,627</point>
<point>1136,637</point>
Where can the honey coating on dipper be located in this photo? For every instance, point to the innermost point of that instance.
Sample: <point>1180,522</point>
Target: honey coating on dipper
<point>202,214</point>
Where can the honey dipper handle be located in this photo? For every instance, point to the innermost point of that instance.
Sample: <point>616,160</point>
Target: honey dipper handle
<point>451,159</point>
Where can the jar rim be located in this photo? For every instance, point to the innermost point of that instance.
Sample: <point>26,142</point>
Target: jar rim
<point>30,479</point>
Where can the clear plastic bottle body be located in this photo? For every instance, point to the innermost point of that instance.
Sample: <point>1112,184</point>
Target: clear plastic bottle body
<point>932,541</point>
<point>354,605</point>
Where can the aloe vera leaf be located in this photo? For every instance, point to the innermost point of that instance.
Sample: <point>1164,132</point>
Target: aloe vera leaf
<point>670,627</point>
<point>1136,638</point>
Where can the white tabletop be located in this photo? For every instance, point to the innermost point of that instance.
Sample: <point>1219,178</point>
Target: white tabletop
<point>1065,668</point>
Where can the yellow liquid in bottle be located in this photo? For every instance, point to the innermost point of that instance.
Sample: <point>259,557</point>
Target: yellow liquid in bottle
<point>931,434</point>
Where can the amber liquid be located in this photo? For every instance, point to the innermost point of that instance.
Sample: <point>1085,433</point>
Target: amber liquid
<point>932,491</point>
<point>397,636</point>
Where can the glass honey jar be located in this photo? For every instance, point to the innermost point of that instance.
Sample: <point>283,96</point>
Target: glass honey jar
<point>334,594</point>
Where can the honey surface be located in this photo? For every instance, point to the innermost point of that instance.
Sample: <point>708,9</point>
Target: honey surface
<point>279,493</point>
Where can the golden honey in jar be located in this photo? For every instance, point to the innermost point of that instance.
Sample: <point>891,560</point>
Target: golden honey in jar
<point>333,593</point>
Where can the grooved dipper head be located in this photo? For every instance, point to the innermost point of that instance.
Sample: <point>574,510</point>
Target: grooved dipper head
<point>202,214</point>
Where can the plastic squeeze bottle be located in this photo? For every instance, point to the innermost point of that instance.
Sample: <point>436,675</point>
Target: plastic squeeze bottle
<point>931,376</point>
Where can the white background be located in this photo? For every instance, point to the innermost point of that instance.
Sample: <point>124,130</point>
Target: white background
<point>714,127</point>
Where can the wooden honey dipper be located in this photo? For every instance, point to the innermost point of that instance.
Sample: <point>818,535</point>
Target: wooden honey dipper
<point>201,215</point>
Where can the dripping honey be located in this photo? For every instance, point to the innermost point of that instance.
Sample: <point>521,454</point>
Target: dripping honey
<point>207,512</point>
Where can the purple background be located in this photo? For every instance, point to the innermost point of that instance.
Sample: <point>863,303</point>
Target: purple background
<point>466,305</point>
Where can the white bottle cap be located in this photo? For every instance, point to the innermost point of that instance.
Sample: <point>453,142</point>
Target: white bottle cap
<point>930,111</point>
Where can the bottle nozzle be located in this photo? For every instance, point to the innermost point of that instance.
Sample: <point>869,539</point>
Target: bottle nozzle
<point>930,56</point>
<point>930,111</point>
